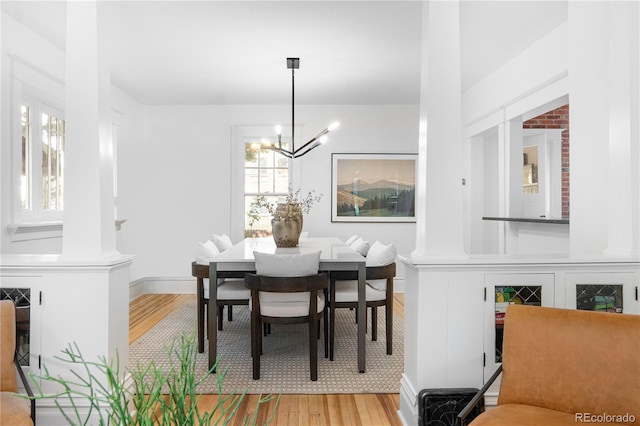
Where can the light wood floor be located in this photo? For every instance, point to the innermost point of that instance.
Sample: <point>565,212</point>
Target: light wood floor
<point>302,410</point>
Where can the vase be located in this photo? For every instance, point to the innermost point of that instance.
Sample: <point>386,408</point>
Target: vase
<point>286,230</point>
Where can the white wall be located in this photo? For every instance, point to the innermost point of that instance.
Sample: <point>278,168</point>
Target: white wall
<point>174,177</point>
<point>539,66</point>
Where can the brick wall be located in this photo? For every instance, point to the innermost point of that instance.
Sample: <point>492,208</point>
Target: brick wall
<point>557,119</point>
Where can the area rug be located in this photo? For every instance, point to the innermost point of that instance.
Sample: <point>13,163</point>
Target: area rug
<point>285,359</point>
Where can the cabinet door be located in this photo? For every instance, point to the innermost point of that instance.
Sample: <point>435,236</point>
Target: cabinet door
<point>615,292</point>
<point>535,289</point>
<point>24,291</point>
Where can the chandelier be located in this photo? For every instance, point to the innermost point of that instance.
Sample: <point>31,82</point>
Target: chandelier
<point>293,64</point>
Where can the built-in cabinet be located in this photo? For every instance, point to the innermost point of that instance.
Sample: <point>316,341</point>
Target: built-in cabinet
<point>603,291</point>
<point>83,302</point>
<point>454,310</point>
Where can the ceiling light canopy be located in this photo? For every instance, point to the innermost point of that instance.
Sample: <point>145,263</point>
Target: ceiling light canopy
<point>293,64</point>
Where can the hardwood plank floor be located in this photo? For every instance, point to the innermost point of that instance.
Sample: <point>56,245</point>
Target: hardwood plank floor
<point>292,410</point>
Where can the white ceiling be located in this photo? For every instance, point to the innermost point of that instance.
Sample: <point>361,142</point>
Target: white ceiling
<point>233,52</point>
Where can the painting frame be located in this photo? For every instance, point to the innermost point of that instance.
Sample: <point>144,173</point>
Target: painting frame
<point>373,187</point>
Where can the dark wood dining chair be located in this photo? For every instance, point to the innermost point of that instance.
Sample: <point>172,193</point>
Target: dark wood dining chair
<point>343,293</point>
<point>308,307</point>
<point>231,291</point>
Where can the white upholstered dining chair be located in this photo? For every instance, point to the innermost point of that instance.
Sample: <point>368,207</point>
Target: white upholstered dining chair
<point>287,289</point>
<point>343,291</point>
<point>230,290</point>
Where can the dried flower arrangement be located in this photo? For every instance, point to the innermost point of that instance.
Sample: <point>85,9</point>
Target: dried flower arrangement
<point>292,208</point>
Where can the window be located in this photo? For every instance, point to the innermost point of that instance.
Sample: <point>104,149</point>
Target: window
<point>265,173</point>
<point>42,162</point>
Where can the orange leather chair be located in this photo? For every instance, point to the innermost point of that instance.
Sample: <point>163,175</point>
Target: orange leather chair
<point>14,410</point>
<point>565,367</point>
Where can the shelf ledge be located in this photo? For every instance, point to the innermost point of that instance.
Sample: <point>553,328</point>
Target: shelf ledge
<point>528,220</point>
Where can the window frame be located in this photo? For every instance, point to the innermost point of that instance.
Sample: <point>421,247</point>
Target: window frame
<point>273,167</point>
<point>37,213</point>
<point>240,134</point>
<point>31,85</point>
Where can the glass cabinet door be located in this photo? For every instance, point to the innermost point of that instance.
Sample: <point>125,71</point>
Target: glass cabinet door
<point>22,299</point>
<point>25,293</point>
<point>615,292</point>
<point>535,289</point>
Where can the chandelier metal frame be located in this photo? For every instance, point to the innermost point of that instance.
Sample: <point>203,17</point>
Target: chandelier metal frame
<point>294,64</point>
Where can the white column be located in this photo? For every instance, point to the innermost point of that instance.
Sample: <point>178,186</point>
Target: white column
<point>623,108</point>
<point>588,88</point>
<point>89,227</point>
<point>603,78</point>
<point>439,200</point>
<point>635,133</point>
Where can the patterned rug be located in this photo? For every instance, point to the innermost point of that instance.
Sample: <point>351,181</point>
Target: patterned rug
<point>285,359</point>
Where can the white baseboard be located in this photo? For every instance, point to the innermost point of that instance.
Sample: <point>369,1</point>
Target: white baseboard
<point>187,285</point>
<point>162,285</point>
<point>408,412</point>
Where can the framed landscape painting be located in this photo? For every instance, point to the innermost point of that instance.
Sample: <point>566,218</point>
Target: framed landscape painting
<point>373,187</point>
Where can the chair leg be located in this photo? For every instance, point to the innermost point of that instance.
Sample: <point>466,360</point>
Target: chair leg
<point>220,316</point>
<point>206,327</point>
<point>313,348</point>
<point>326,333</point>
<point>201,326</point>
<point>256,347</point>
<point>388,311</point>
<point>201,311</point>
<point>325,318</point>
<point>332,324</point>
<point>230,312</point>
<point>374,323</point>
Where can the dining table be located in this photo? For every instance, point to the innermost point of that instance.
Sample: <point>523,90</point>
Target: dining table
<point>335,255</point>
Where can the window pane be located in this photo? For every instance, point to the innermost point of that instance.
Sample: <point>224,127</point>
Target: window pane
<point>52,162</point>
<point>60,170</point>
<point>262,226</point>
<point>281,183</point>
<point>46,166</point>
<point>282,161</point>
<point>25,177</point>
<point>250,155</point>
<point>266,181</point>
<point>266,158</point>
<point>251,180</point>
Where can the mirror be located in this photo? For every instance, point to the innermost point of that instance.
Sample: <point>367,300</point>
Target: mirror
<point>530,170</point>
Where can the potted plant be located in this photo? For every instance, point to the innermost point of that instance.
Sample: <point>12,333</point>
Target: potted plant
<point>156,395</point>
<point>286,216</point>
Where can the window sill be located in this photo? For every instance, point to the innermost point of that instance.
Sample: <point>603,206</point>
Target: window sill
<point>42,230</point>
<point>35,231</point>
